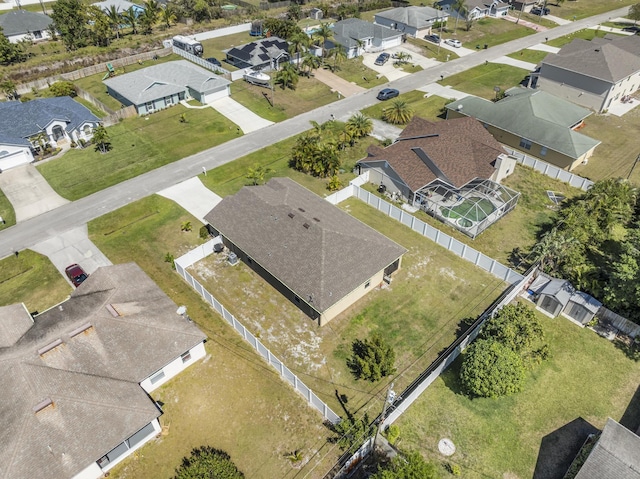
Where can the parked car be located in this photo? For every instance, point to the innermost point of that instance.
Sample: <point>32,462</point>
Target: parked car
<point>388,94</point>
<point>432,38</point>
<point>76,274</point>
<point>382,59</point>
<point>453,42</point>
<point>632,29</point>
<point>215,61</point>
<point>540,11</point>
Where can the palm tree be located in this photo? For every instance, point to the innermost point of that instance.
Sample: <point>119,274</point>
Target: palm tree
<point>339,54</point>
<point>114,19</point>
<point>287,77</point>
<point>323,33</point>
<point>360,44</point>
<point>149,16</point>
<point>310,62</point>
<point>131,19</point>
<point>359,126</point>
<point>298,43</point>
<point>399,113</point>
<point>402,58</point>
<point>168,15</point>
<point>461,9</point>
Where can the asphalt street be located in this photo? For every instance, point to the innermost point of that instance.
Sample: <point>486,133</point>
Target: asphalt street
<point>52,223</point>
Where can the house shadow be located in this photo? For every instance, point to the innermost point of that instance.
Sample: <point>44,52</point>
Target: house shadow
<point>558,449</point>
<point>631,417</point>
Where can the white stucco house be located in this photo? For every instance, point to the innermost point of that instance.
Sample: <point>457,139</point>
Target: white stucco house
<point>20,25</point>
<point>26,127</point>
<point>412,21</point>
<point>77,378</point>
<point>358,36</point>
<point>477,8</point>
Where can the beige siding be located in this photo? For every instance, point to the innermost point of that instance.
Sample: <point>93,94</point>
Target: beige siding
<point>351,298</point>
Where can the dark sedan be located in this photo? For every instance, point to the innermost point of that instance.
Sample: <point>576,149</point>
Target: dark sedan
<point>388,94</point>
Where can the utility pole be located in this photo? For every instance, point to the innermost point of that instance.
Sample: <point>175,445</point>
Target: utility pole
<point>391,395</point>
<point>634,165</point>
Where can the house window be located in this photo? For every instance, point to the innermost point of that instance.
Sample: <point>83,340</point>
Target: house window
<point>157,377</point>
<point>296,299</point>
<point>249,260</point>
<point>87,130</point>
<point>524,143</point>
<point>186,357</point>
<point>149,106</point>
<point>168,101</point>
<point>367,284</point>
<point>37,34</point>
<point>543,151</point>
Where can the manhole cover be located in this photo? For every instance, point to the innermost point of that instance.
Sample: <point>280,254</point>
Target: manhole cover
<point>446,447</point>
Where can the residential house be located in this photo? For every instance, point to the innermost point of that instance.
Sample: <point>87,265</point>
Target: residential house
<point>20,25</point>
<point>594,74</point>
<point>77,378</point>
<point>316,255</point>
<point>120,6</point>
<point>440,166</point>
<point>615,455</point>
<point>412,21</point>
<point>267,53</point>
<point>523,5</point>
<point>477,8</point>
<point>358,36</point>
<point>166,84</point>
<point>26,127</point>
<point>535,122</point>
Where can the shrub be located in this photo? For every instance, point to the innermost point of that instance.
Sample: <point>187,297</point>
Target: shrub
<point>393,434</point>
<point>204,232</point>
<point>62,88</point>
<point>205,462</point>
<point>371,359</point>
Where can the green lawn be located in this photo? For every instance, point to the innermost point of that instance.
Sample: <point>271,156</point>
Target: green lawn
<point>615,156</point>
<point>308,95</point>
<point>586,34</point>
<point>418,314</point>
<point>139,145</point>
<point>430,108</point>
<point>586,377</point>
<point>491,31</point>
<point>31,278</point>
<point>355,72</point>
<point>7,212</point>
<point>581,9</point>
<point>231,400</point>
<point>93,109</point>
<point>535,19</point>
<point>93,84</point>
<point>481,80</point>
<point>431,50</point>
<point>527,55</point>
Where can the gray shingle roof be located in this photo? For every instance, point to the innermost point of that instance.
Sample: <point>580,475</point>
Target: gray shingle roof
<point>21,120</point>
<point>19,22</point>
<point>560,289</point>
<point>417,17</point>
<point>261,51</point>
<point>91,377</point>
<point>535,115</point>
<point>589,302</point>
<point>609,59</point>
<point>165,79</point>
<point>326,259</point>
<point>616,455</point>
<point>15,320</point>
<point>346,32</point>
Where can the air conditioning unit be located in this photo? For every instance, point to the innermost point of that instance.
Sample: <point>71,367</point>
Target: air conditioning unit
<point>232,259</point>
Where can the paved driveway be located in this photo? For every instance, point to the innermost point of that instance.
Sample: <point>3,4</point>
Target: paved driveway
<point>72,246</point>
<point>387,70</point>
<point>193,196</point>
<point>247,120</point>
<point>29,192</point>
<point>460,51</point>
<point>515,63</point>
<point>333,81</point>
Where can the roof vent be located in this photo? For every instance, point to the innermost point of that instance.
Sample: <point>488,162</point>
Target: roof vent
<point>301,209</point>
<point>291,215</point>
<point>42,405</point>
<point>597,50</point>
<point>306,225</point>
<point>49,347</point>
<point>459,108</point>
<point>316,219</point>
<point>81,329</point>
<point>114,312</point>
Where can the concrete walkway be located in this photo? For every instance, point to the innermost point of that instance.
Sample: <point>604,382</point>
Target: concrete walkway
<point>336,83</point>
<point>28,192</point>
<point>618,108</point>
<point>558,20</point>
<point>525,23</point>
<point>460,51</point>
<point>543,47</point>
<point>383,130</point>
<point>387,70</point>
<point>442,91</point>
<point>515,63</point>
<point>617,31</point>
<point>72,246</point>
<point>193,196</point>
<point>247,120</point>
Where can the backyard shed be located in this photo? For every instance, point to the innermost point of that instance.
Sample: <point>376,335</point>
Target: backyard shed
<point>582,307</point>
<point>551,294</point>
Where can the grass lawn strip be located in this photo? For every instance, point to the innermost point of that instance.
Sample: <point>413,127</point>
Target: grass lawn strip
<point>139,145</point>
<point>586,377</point>
<point>531,56</point>
<point>7,212</point>
<point>577,10</point>
<point>418,314</point>
<point>490,31</point>
<point>586,34</point>
<point>430,108</point>
<point>481,80</point>
<point>354,71</point>
<point>231,400</point>
<point>30,278</point>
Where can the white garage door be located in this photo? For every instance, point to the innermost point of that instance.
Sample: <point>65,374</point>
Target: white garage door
<point>216,95</point>
<point>14,159</point>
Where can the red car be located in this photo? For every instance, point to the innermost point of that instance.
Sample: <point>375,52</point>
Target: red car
<point>76,274</point>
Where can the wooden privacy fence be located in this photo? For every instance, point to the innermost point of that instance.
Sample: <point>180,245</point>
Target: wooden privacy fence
<point>85,95</point>
<point>619,322</point>
<point>126,112</point>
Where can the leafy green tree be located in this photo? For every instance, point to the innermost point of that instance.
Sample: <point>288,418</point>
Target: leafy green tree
<point>281,28</point>
<point>334,184</point>
<point>310,62</point>
<point>257,173</point>
<point>634,12</point>
<point>101,139</point>
<point>114,19</point>
<point>298,44</point>
<point>169,15</point>
<point>399,113</point>
<point>372,358</point>
<point>294,12</point>
<point>149,17</point>
<point>130,18</point>
<point>287,76</point>
<point>491,369</point>
<point>62,88</point>
<point>10,53</point>
<point>622,292</point>
<point>8,88</point>
<point>359,126</point>
<point>98,26</point>
<point>323,33</point>
<point>70,20</point>
<point>205,462</point>
<point>408,466</point>
<point>352,431</point>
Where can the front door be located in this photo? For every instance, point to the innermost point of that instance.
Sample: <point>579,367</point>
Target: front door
<point>58,133</point>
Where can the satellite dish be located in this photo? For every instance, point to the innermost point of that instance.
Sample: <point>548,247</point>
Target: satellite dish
<point>181,310</point>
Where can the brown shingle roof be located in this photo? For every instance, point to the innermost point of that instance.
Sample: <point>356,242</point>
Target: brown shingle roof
<point>317,250</point>
<point>461,148</point>
<point>91,376</point>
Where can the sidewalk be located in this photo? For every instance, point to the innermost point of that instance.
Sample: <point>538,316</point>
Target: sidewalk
<point>515,63</point>
<point>247,120</point>
<point>336,83</point>
<point>617,31</point>
<point>193,196</point>
<point>558,20</point>
<point>543,47</point>
<point>443,91</point>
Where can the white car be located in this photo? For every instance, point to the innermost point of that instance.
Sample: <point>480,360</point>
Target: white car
<point>453,42</point>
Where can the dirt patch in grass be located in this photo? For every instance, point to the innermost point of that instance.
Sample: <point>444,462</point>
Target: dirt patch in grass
<point>232,400</point>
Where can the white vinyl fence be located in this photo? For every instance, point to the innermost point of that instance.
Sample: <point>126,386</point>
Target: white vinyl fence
<point>550,170</point>
<point>202,62</point>
<point>205,250</point>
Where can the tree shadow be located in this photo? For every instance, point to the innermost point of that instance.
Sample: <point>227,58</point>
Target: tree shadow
<point>559,448</point>
<point>451,376</point>
<point>631,417</point>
